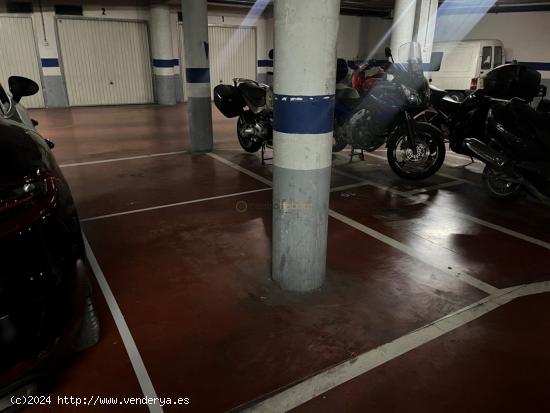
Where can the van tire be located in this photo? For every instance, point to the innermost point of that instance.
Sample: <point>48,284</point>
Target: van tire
<point>457,95</point>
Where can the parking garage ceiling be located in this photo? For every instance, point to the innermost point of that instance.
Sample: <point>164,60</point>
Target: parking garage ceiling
<point>383,8</point>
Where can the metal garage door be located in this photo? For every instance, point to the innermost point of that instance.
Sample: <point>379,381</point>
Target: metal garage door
<point>19,55</point>
<point>105,62</point>
<point>232,53</point>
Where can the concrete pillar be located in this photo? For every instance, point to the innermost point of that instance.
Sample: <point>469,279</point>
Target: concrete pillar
<point>403,24</point>
<point>163,61</point>
<point>304,66</point>
<point>424,26</point>
<point>197,73</point>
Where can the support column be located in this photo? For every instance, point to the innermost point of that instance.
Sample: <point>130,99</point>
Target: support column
<point>424,26</point>
<point>305,66</point>
<point>403,24</point>
<point>163,62</point>
<point>197,73</point>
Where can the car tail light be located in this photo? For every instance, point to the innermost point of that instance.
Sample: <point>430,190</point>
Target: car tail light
<point>473,84</point>
<point>24,202</point>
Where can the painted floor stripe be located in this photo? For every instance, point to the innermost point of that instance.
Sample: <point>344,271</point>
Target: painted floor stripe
<point>333,377</point>
<point>240,168</point>
<point>129,343</point>
<point>467,217</point>
<point>455,272</point>
<point>194,201</point>
<point>128,158</point>
<point>433,188</point>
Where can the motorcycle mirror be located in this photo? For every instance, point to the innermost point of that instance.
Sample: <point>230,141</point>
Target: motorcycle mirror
<point>387,52</point>
<point>271,54</point>
<point>21,86</point>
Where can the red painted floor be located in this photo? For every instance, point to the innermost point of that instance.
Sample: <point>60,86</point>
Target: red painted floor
<point>193,280</point>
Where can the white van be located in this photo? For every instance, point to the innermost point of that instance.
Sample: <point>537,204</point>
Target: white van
<point>461,66</point>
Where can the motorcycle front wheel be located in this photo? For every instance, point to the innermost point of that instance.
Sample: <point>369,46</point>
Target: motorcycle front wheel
<point>498,187</point>
<point>245,126</point>
<point>429,156</point>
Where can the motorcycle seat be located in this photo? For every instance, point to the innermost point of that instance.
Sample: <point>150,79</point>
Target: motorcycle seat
<point>253,93</point>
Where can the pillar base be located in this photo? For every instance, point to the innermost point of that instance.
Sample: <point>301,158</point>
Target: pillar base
<point>165,89</point>
<point>200,121</point>
<point>300,223</point>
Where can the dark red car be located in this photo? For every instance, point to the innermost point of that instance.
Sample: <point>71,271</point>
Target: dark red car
<point>46,307</point>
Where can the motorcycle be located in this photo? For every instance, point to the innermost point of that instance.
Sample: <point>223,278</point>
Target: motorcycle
<point>384,115</point>
<point>517,150</point>
<point>252,102</point>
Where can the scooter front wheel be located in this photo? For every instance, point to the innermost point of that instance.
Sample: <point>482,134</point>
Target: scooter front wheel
<point>419,164</point>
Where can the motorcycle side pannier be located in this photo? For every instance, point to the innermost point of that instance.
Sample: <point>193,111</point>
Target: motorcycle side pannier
<point>512,80</point>
<point>228,99</point>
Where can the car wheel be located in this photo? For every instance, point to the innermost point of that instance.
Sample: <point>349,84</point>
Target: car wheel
<point>89,332</point>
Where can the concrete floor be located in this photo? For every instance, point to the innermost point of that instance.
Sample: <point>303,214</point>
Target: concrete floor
<point>425,306</point>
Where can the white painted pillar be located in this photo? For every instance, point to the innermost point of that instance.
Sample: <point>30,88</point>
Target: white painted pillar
<point>403,24</point>
<point>197,73</point>
<point>424,26</point>
<point>161,48</point>
<point>304,66</point>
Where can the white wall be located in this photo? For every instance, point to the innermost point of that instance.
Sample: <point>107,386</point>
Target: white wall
<point>526,36</point>
<point>362,37</point>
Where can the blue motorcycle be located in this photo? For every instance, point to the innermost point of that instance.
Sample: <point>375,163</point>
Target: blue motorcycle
<point>384,114</point>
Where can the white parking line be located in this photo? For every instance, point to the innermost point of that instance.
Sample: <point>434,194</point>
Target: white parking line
<point>433,187</point>
<point>194,201</point>
<point>348,370</point>
<point>127,158</point>
<point>456,272</point>
<point>129,343</point>
<point>467,217</point>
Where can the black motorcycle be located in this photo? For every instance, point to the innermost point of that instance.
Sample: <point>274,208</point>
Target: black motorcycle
<point>385,115</point>
<point>252,103</point>
<point>517,149</point>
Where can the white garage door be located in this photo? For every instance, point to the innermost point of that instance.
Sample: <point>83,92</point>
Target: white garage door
<point>232,52</point>
<point>105,62</point>
<point>19,55</point>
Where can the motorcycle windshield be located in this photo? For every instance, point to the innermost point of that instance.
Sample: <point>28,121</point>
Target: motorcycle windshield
<point>410,68</point>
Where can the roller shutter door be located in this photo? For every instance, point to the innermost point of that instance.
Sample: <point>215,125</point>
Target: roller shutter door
<point>232,52</point>
<point>105,62</point>
<point>19,55</point>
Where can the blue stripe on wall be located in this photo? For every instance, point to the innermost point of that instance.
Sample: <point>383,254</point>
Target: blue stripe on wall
<point>265,63</point>
<point>536,65</point>
<point>197,75</point>
<point>303,114</point>
<point>50,62</point>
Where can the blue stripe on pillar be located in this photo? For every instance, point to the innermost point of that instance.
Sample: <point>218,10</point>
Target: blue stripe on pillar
<point>176,62</point>
<point>265,63</point>
<point>197,75</point>
<point>50,62</point>
<point>163,62</point>
<point>303,114</point>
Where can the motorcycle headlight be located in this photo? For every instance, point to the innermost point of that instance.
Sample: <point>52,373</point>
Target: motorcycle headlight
<point>413,97</point>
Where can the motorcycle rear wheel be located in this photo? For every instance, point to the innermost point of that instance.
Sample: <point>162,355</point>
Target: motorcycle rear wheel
<point>498,187</point>
<point>248,144</point>
<point>428,138</point>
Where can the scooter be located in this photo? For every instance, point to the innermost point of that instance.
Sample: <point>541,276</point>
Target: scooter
<point>517,152</point>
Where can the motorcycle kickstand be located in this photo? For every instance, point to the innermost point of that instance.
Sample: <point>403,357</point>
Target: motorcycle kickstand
<point>361,154</point>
